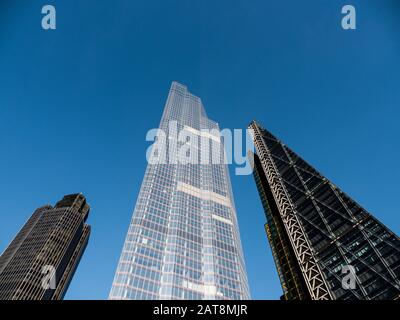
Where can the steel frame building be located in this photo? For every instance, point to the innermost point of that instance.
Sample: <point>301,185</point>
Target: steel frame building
<point>315,230</point>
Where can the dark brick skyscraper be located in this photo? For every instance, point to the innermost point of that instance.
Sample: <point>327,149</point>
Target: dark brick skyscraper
<point>183,241</point>
<point>52,240</point>
<point>316,231</point>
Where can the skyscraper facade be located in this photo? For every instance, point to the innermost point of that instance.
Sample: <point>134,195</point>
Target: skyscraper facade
<point>325,245</point>
<point>183,240</point>
<point>41,260</point>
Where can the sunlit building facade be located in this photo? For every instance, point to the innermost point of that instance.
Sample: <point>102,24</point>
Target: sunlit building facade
<point>183,240</point>
<point>41,260</point>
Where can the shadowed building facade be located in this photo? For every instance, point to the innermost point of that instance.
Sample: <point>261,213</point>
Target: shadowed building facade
<point>183,240</point>
<point>41,260</point>
<point>321,239</point>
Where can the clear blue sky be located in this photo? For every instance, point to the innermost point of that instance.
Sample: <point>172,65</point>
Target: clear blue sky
<point>76,103</point>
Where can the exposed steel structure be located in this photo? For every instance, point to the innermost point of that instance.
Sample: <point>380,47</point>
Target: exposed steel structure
<point>316,231</point>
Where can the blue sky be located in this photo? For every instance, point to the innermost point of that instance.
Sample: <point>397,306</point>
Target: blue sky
<point>76,104</point>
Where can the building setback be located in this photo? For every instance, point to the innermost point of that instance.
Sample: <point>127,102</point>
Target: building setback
<point>183,240</point>
<point>319,236</point>
<point>52,240</point>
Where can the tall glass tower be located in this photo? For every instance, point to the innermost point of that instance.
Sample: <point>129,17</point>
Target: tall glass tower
<point>183,240</point>
<point>325,245</point>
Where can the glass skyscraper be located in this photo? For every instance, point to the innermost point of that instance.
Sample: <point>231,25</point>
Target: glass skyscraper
<point>183,240</point>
